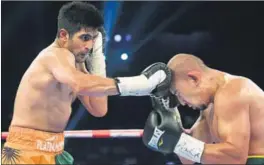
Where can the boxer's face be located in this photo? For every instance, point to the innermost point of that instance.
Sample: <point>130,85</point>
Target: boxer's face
<point>191,91</point>
<point>81,43</point>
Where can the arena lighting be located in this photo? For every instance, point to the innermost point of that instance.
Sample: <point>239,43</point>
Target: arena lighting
<point>128,37</point>
<point>124,56</point>
<point>118,38</point>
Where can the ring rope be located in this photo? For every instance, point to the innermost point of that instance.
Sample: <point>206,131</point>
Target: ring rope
<point>112,133</point>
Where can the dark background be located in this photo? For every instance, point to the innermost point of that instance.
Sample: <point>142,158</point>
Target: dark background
<point>227,35</point>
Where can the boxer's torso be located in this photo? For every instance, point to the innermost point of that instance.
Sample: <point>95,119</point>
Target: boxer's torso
<point>256,118</point>
<point>41,102</point>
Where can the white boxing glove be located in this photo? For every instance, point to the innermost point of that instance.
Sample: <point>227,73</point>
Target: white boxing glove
<point>96,62</point>
<point>154,80</point>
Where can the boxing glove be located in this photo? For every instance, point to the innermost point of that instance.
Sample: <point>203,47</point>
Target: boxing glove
<point>96,60</point>
<point>154,80</point>
<point>163,88</point>
<point>167,102</point>
<point>163,133</point>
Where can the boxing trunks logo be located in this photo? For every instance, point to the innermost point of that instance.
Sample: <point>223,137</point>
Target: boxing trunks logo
<point>50,145</point>
<point>155,141</point>
<point>10,155</point>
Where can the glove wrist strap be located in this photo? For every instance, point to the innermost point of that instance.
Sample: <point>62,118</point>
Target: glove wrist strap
<point>189,148</point>
<point>133,86</point>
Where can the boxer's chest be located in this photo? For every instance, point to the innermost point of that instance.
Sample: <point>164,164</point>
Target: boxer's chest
<point>65,92</point>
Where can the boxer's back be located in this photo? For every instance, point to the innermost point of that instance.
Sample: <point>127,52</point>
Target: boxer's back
<point>255,99</point>
<point>256,119</point>
<point>41,102</point>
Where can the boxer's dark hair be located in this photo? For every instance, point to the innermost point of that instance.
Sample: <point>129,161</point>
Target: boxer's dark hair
<point>74,16</point>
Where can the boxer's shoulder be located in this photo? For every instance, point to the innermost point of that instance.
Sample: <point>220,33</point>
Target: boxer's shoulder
<point>234,93</point>
<point>58,53</point>
<point>51,57</point>
<point>233,86</point>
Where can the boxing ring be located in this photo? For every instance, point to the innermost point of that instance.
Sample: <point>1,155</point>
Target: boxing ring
<point>111,133</point>
<point>98,134</point>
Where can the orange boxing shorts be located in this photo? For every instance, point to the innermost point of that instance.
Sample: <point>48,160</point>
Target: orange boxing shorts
<point>29,146</point>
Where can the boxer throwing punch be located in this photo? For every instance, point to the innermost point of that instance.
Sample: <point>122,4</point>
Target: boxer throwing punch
<point>57,76</point>
<point>230,129</point>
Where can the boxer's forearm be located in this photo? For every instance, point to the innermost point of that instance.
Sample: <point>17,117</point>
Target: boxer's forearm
<point>99,104</point>
<point>91,85</point>
<point>96,106</point>
<point>223,153</point>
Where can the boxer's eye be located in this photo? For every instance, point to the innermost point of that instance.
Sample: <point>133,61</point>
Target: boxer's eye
<point>86,37</point>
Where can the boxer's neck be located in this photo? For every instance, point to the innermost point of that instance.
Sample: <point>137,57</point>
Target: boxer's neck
<point>60,43</point>
<point>218,80</point>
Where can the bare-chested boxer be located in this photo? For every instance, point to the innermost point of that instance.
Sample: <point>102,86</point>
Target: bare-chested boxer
<point>57,76</point>
<point>229,131</point>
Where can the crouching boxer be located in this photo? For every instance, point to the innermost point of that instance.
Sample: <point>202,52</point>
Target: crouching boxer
<point>230,127</point>
<point>163,132</point>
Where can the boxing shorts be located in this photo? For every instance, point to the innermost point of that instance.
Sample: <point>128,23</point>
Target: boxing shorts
<point>255,160</point>
<point>29,146</point>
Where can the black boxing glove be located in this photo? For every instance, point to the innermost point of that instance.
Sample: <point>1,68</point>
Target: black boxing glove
<point>168,102</point>
<point>163,133</point>
<point>154,80</point>
<point>162,98</point>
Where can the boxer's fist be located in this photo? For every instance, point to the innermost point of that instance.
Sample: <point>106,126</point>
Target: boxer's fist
<point>162,131</point>
<point>154,80</point>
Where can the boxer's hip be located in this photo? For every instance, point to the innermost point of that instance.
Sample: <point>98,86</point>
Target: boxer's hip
<point>29,146</point>
<point>255,159</point>
<point>35,140</point>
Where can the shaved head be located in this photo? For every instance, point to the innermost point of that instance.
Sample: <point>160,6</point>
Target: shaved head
<point>190,80</point>
<point>181,64</point>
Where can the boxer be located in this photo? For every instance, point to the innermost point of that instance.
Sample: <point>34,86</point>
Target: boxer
<point>230,129</point>
<point>57,76</point>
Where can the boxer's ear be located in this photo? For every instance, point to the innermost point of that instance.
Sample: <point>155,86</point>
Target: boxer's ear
<point>63,35</point>
<point>195,77</point>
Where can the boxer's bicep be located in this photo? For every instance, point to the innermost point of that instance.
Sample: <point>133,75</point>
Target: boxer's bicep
<point>233,126</point>
<point>63,69</point>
